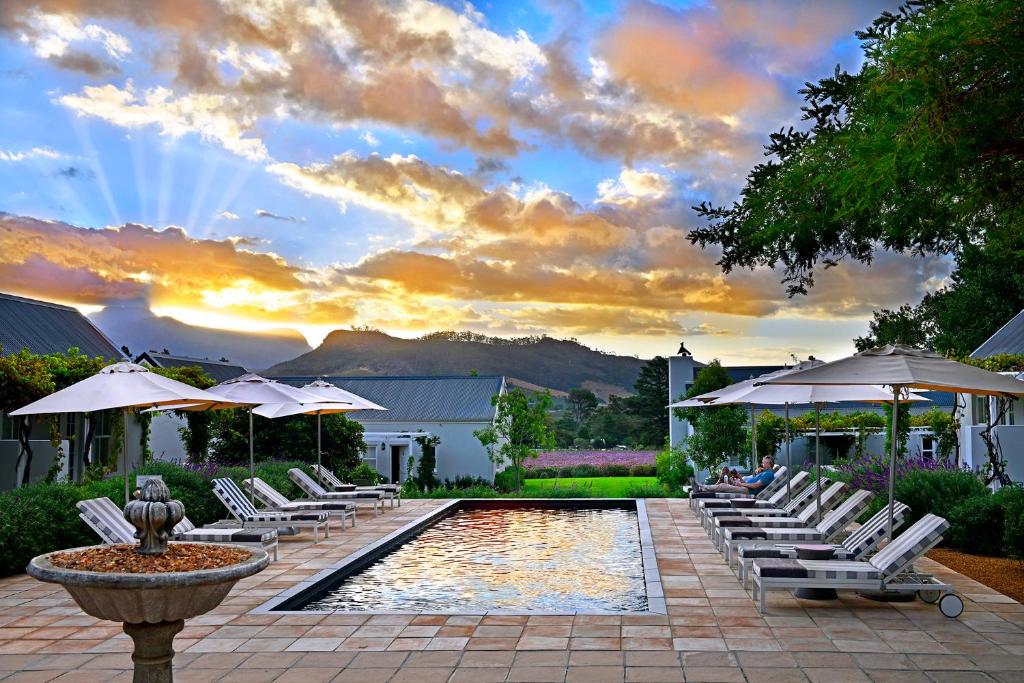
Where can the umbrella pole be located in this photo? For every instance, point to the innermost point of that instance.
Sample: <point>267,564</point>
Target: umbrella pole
<point>789,464</point>
<point>817,451</point>
<point>124,453</point>
<point>753,439</point>
<point>892,455</point>
<point>252,464</point>
<point>319,467</point>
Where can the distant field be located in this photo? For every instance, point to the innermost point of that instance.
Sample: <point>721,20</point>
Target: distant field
<point>573,458</point>
<point>600,487</point>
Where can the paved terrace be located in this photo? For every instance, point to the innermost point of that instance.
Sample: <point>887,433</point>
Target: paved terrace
<point>712,631</point>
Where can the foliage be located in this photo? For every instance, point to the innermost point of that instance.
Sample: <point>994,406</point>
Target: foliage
<point>1013,532</point>
<point>926,487</point>
<point>363,472</point>
<point>425,477</point>
<point>918,152</point>
<point>581,403</point>
<point>906,325</point>
<point>942,426</point>
<point>648,405</point>
<point>719,432</point>
<point>902,428</point>
<point>520,428</point>
<point>589,457</point>
<point>1001,362</point>
<point>976,525</point>
<point>771,432</point>
<point>673,468</point>
<point>41,517</point>
<point>291,437</point>
<point>24,378</point>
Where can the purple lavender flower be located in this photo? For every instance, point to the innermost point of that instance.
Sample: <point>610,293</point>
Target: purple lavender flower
<point>597,458</point>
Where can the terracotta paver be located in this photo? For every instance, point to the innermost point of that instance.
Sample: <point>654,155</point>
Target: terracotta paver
<point>712,632</point>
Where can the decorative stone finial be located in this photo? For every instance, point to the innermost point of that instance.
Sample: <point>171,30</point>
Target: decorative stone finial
<point>154,515</point>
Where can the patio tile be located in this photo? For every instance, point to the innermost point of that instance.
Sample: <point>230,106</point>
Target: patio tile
<point>536,674</point>
<point>654,674</point>
<point>595,674</point>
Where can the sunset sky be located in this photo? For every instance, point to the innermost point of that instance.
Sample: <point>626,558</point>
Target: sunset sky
<point>508,168</point>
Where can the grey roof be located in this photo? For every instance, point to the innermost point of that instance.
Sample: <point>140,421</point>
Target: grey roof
<point>741,373</point>
<point>43,327</point>
<point>1008,339</point>
<point>218,370</point>
<point>419,399</point>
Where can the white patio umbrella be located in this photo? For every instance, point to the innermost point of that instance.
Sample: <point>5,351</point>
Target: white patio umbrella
<point>777,394</point>
<point>122,385</point>
<point>904,368</point>
<point>339,401</point>
<point>248,391</point>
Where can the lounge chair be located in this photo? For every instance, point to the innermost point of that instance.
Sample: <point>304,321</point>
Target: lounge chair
<point>890,569</point>
<point>274,500</point>
<point>778,499</point>
<point>107,520</point>
<point>856,546</point>
<point>245,512</point>
<point>331,482</point>
<point>781,473</point>
<point>317,492</point>
<point>830,497</point>
<point>831,525</point>
<point>798,502</point>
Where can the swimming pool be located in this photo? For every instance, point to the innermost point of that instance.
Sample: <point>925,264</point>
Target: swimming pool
<point>487,556</point>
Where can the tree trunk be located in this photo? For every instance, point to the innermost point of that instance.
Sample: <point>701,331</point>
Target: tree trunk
<point>992,448</point>
<point>87,443</point>
<point>24,431</point>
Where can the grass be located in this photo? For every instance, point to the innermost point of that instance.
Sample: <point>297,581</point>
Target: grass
<point>600,487</point>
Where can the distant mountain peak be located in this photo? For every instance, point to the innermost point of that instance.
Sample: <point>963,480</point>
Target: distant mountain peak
<point>535,361</point>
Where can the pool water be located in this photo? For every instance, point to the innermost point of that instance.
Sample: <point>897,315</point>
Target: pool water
<point>518,559</point>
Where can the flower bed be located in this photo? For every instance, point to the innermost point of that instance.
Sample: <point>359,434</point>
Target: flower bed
<point>595,458</point>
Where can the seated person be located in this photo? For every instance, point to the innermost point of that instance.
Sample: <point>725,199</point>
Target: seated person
<point>751,484</point>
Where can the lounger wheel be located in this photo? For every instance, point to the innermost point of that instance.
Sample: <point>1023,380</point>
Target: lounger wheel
<point>951,605</point>
<point>929,596</point>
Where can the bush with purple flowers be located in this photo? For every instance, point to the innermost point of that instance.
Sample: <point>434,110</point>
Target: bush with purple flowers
<point>871,472</point>
<point>595,458</point>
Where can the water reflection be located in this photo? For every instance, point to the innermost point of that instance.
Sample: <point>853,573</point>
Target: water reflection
<point>529,559</point>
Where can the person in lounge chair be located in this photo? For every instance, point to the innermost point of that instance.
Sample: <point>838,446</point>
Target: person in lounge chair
<point>751,484</point>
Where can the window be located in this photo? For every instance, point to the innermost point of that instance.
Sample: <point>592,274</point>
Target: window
<point>8,428</point>
<point>928,447</point>
<point>370,456</point>
<point>980,410</point>
<point>101,437</point>
<point>1008,406</point>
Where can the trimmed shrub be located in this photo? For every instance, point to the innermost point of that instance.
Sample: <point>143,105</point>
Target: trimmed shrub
<point>585,471</point>
<point>193,489</point>
<point>445,492</point>
<point>41,517</point>
<point>565,472</point>
<point>613,470</point>
<point>977,525</point>
<point>503,481</point>
<point>1013,524</point>
<point>672,468</point>
<point>643,471</point>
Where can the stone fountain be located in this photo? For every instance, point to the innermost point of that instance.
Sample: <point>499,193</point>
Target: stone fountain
<point>152,606</point>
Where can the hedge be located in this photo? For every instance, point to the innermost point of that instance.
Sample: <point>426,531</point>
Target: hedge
<point>40,518</point>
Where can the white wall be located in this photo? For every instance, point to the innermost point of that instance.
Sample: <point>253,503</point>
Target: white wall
<point>459,452</point>
<point>164,438</point>
<point>1011,442</point>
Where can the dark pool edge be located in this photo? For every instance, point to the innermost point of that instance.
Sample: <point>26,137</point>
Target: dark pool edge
<point>356,561</point>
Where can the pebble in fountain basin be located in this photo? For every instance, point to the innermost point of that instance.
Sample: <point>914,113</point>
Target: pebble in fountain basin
<point>147,598</point>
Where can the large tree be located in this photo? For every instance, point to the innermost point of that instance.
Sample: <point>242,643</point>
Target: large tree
<point>521,426</point>
<point>921,151</point>
<point>719,432</point>
<point>648,404</point>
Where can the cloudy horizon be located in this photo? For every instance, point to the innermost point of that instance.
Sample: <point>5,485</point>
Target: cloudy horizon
<point>509,169</point>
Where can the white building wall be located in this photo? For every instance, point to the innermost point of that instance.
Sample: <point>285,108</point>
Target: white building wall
<point>164,438</point>
<point>459,453</point>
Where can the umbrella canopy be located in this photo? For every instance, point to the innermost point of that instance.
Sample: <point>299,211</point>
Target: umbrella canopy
<point>253,390</point>
<point>340,401</point>
<point>903,368</point>
<point>276,410</point>
<point>122,385</point>
<point>336,394</point>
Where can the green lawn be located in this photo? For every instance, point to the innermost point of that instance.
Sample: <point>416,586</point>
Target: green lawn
<point>600,487</point>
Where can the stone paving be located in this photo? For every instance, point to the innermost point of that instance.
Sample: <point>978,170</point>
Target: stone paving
<point>712,631</point>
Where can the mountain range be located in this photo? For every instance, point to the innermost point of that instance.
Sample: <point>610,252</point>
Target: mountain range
<point>535,362</point>
<point>134,325</point>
